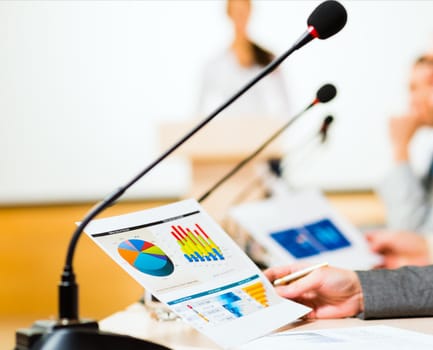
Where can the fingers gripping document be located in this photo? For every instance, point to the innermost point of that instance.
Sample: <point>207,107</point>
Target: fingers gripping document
<point>187,261</point>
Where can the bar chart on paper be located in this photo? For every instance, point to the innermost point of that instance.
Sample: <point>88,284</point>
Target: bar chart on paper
<point>257,291</point>
<point>195,244</point>
<point>225,303</point>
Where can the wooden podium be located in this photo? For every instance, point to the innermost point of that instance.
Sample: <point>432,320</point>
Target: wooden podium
<point>219,147</point>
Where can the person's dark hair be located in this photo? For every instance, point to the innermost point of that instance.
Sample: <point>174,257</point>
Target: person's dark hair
<point>261,56</point>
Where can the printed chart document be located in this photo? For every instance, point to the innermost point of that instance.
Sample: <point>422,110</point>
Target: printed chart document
<point>354,338</point>
<point>303,227</point>
<point>179,254</point>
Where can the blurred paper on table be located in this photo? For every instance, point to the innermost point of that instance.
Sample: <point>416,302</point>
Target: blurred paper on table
<point>303,227</point>
<point>354,338</point>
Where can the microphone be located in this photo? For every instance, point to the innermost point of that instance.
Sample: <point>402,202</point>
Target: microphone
<point>308,148</point>
<point>323,132</point>
<point>275,164</point>
<point>325,94</point>
<point>326,20</point>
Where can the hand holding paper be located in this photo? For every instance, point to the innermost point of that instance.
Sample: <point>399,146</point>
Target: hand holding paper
<point>331,292</point>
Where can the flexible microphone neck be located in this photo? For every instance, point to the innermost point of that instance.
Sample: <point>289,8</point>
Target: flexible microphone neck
<point>247,159</point>
<point>323,132</point>
<point>68,289</point>
<point>325,94</point>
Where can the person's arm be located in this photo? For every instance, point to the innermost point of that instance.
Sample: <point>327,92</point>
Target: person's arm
<point>405,199</point>
<point>404,196</point>
<point>429,240</point>
<point>401,248</point>
<point>405,292</point>
<point>334,293</point>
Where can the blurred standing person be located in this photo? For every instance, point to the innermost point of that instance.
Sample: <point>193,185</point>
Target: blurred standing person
<point>237,65</point>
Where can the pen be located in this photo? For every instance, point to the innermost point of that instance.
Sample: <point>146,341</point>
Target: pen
<point>298,274</point>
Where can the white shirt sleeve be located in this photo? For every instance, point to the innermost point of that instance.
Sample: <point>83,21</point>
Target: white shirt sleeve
<point>407,204</point>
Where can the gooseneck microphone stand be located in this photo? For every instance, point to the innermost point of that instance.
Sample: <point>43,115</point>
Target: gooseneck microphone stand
<point>71,333</point>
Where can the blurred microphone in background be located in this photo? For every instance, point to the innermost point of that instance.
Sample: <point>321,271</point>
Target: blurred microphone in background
<point>325,94</point>
<point>325,127</point>
<point>276,177</point>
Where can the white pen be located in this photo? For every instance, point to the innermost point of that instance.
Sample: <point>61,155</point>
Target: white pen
<point>298,274</point>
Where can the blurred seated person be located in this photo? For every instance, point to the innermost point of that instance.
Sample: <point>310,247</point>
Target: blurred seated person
<point>235,67</point>
<point>408,199</point>
<point>336,293</point>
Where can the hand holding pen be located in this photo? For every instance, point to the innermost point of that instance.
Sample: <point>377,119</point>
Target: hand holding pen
<point>298,274</point>
<point>331,292</point>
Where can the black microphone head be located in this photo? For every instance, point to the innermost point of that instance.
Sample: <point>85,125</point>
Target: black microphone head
<point>328,19</point>
<point>323,132</point>
<point>328,120</point>
<point>326,93</point>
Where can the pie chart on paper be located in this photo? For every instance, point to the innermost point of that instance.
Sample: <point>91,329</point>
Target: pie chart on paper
<point>146,257</point>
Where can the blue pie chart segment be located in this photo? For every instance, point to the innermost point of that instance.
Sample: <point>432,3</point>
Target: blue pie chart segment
<point>146,257</point>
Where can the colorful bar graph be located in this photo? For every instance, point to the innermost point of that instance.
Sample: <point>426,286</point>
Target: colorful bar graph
<point>196,244</point>
<point>257,291</point>
<point>199,314</point>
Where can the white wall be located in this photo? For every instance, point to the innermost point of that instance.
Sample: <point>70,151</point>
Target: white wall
<point>83,83</point>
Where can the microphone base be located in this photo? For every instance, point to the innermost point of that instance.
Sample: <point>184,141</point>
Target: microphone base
<point>83,335</point>
<point>25,338</point>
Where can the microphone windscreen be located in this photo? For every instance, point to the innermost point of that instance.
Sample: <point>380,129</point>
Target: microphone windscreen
<point>329,119</point>
<point>328,18</point>
<point>326,93</point>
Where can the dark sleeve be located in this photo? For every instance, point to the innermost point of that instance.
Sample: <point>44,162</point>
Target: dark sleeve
<point>404,292</point>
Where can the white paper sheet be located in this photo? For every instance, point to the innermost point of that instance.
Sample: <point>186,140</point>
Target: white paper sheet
<point>303,227</point>
<point>187,261</point>
<point>355,338</point>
